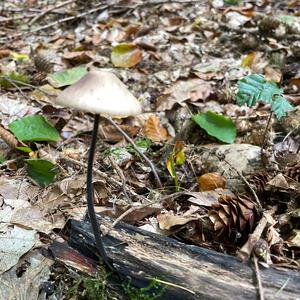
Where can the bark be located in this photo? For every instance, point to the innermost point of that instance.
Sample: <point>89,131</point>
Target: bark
<point>199,273</point>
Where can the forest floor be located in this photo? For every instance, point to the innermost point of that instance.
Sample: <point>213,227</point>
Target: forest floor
<point>185,61</point>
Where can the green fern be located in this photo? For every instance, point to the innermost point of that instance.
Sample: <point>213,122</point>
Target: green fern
<point>254,88</point>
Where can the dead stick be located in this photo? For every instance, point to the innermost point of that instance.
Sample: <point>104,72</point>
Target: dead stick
<point>43,13</point>
<point>64,20</point>
<point>246,250</point>
<point>105,176</point>
<point>130,140</point>
<point>247,183</point>
<point>258,277</point>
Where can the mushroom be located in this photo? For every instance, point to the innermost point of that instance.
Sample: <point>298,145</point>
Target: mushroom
<point>98,92</point>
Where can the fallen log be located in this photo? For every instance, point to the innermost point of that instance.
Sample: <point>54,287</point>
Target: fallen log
<point>194,272</point>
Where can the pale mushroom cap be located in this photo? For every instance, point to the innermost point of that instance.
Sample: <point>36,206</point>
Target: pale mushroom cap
<point>100,92</point>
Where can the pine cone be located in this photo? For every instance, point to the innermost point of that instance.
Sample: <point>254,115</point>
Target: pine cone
<point>258,182</point>
<point>236,215</point>
<point>268,25</point>
<point>293,172</point>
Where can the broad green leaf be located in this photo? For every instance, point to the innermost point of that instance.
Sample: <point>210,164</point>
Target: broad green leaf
<point>41,171</point>
<point>66,77</point>
<point>11,79</point>
<point>281,107</point>
<point>254,88</point>
<point>217,126</point>
<point>125,55</point>
<point>2,159</point>
<point>34,128</point>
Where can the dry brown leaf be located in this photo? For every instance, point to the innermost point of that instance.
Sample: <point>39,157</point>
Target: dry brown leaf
<point>208,198</point>
<point>211,181</point>
<point>79,57</point>
<point>272,74</point>
<point>154,131</point>
<point>111,133</point>
<point>192,90</point>
<point>167,221</point>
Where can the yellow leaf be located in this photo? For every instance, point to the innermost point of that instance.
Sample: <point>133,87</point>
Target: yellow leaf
<point>125,55</point>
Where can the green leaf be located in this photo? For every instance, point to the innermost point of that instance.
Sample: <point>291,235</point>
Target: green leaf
<point>281,107</point>
<point>2,159</point>
<point>232,2</point>
<point>66,77</point>
<point>41,171</point>
<point>34,128</point>
<point>216,125</point>
<point>24,149</point>
<point>254,88</point>
<point>7,80</point>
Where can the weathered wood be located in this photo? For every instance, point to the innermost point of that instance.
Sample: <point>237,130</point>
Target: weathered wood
<point>202,273</point>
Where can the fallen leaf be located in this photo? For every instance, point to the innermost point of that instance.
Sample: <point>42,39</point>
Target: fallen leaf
<point>125,55</point>
<point>192,90</point>
<point>27,284</point>
<point>154,131</point>
<point>15,242</point>
<point>34,218</point>
<point>208,198</point>
<point>167,221</point>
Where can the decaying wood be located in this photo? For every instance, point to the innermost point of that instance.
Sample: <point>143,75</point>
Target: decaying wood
<point>199,273</point>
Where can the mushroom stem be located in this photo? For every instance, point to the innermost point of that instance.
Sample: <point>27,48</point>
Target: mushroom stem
<point>90,197</point>
<point>146,159</point>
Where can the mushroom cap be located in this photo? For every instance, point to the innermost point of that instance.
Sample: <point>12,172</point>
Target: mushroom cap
<point>100,92</point>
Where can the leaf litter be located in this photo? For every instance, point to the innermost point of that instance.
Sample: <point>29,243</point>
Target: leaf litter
<point>184,61</point>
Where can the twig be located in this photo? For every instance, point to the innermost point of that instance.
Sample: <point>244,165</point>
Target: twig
<point>265,132</point>
<point>246,250</point>
<point>122,177</point>
<point>29,85</point>
<point>43,13</point>
<point>2,20</point>
<point>64,20</point>
<point>12,82</point>
<point>134,208</point>
<point>130,140</point>
<point>105,176</point>
<point>246,182</point>
<point>258,277</point>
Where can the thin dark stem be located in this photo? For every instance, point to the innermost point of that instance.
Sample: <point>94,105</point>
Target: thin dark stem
<point>90,197</point>
<point>266,131</point>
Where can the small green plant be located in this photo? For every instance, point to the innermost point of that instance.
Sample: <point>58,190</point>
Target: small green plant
<point>254,88</point>
<point>35,128</point>
<point>92,288</point>
<point>176,158</point>
<point>151,292</point>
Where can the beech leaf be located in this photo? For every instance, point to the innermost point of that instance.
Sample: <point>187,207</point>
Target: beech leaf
<point>125,55</point>
<point>216,125</point>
